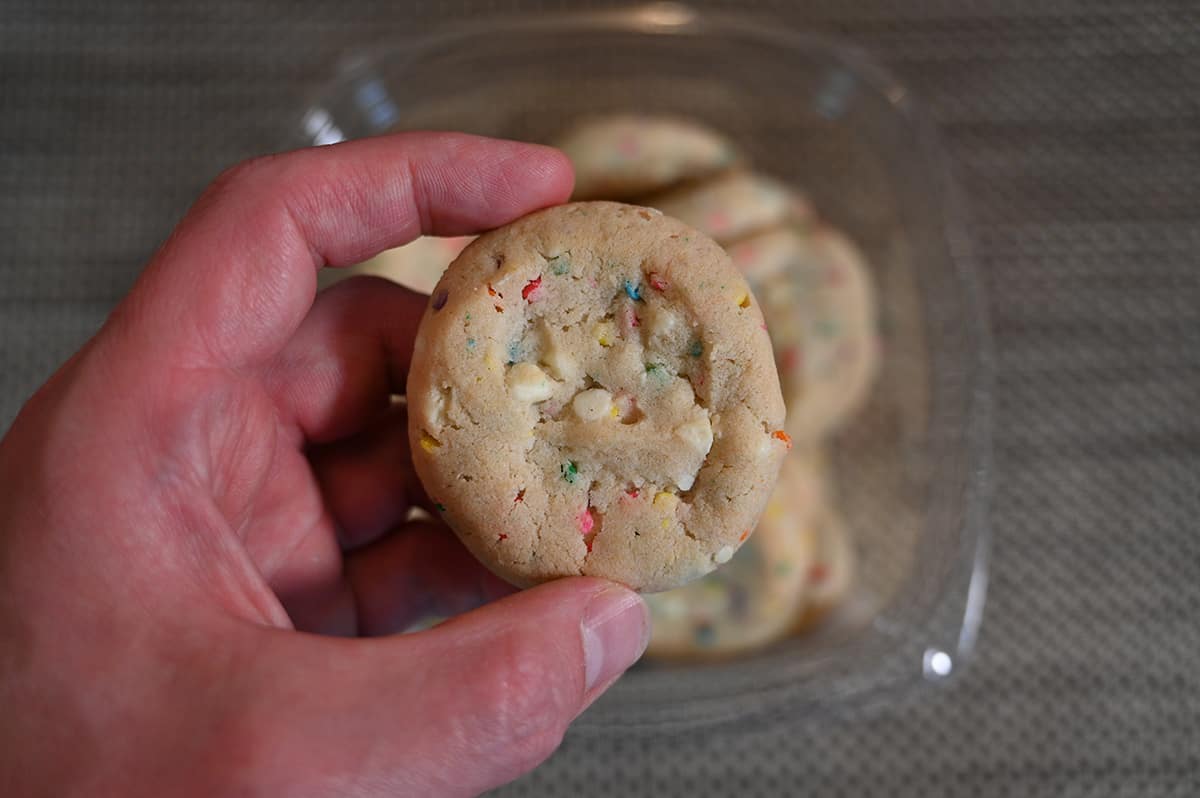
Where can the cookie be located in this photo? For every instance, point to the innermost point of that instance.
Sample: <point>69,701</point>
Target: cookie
<point>818,300</point>
<point>626,156</point>
<point>754,600</point>
<point>733,205</point>
<point>416,265</point>
<point>832,569</point>
<point>592,392</point>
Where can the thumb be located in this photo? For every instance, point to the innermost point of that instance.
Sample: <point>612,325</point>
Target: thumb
<point>456,710</point>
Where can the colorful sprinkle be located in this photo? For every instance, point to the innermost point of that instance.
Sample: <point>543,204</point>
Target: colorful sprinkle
<point>631,319</point>
<point>743,300</point>
<point>632,291</point>
<point>520,497</point>
<point>560,265</point>
<point>498,308</point>
<point>439,299</point>
<point>605,333</point>
<point>530,291</point>
<point>665,501</point>
<point>471,343</point>
<point>441,507</point>
<point>570,471</point>
<point>780,435</point>
<point>632,492</point>
<point>657,282</point>
<point>514,352</point>
<point>494,292</point>
<point>586,521</point>
<point>745,534</point>
<point>654,368</point>
<point>430,443</point>
<point>501,537</point>
<point>697,348</point>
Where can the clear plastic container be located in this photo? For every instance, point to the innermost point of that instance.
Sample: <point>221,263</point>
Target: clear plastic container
<point>912,468</point>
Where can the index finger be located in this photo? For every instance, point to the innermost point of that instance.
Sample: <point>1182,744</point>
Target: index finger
<point>237,276</point>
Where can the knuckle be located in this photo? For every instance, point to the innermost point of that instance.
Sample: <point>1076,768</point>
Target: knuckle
<point>530,700</point>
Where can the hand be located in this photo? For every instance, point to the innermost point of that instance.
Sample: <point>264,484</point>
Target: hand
<point>218,474</point>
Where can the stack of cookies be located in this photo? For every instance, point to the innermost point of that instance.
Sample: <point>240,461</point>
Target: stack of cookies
<point>815,293</point>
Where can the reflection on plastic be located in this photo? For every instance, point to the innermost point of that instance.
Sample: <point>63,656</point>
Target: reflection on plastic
<point>320,127</point>
<point>372,98</point>
<point>834,96</point>
<point>663,16</point>
<point>937,664</point>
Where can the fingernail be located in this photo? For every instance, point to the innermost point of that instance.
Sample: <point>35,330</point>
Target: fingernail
<point>616,629</point>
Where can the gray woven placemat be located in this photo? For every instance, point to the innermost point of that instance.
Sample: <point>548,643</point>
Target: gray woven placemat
<point>1075,129</point>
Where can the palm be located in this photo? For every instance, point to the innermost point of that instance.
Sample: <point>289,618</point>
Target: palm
<point>220,463</point>
<point>274,510</point>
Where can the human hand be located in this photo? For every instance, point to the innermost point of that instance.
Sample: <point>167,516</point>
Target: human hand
<point>218,473</point>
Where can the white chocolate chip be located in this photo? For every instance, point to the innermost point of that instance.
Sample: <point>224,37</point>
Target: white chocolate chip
<point>697,434</point>
<point>561,365</point>
<point>593,405</point>
<point>435,410</point>
<point>686,480</point>
<point>528,383</point>
<point>716,424</point>
<point>662,321</point>
<point>766,446</point>
<point>723,556</point>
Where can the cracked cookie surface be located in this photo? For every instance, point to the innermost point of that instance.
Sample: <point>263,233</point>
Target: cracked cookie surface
<point>592,392</point>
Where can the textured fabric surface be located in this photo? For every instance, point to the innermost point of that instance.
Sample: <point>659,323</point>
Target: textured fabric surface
<point>1074,128</point>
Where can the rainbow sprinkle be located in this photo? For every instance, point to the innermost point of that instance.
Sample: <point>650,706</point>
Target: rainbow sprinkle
<point>586,521</point>
<point>569,471</point>
<point>560,265</point>
<point>439,300</point>
<point>530,292</point>
<point>657,282</point>
<point>632,291</point>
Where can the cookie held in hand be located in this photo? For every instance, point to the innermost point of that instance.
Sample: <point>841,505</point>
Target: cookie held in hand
<point>593,392</point>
